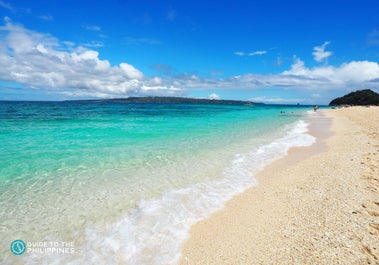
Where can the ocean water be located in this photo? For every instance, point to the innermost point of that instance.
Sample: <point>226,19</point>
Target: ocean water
<point>124,182</point>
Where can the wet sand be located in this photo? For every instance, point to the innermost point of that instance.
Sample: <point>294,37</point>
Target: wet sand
<point>317,205</point>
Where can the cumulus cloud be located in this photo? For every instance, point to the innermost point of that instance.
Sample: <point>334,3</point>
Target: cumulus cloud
<point>130,72</point>
<point>213,96</point>
<point>40,60</point>
<point>319,53</point>
<point>355,74</point>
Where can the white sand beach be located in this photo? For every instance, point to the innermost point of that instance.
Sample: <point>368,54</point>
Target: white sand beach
<point>317,205</point>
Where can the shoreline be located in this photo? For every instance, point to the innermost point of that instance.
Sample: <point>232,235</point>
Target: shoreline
<point>317,205</point>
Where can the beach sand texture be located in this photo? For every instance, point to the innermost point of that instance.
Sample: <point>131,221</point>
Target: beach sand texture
<point>318,205</point>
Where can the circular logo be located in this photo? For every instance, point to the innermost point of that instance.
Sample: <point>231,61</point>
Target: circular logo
<point>18,247</point>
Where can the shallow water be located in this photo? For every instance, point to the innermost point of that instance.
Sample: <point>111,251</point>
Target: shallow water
<point>124,182</point>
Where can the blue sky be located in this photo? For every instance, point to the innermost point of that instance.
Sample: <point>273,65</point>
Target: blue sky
<point>269,51</point>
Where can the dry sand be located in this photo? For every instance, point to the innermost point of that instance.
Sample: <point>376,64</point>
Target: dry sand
<point>318,205</point>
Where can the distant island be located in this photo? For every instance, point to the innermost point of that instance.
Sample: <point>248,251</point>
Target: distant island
<point>361,97</point>
<point>173,100</point>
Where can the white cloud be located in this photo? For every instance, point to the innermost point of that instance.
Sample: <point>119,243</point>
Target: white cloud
<point>39,60</point>
<point>131,72</point>
<point>94,44</point>
<point>319,52</point>
<point>277,100</point>
<point>213,96</point>
<point>355,72</point>
<point>42,61</point>
<point>348,76</point>
<point>239,53</point>
<point>257,53</point>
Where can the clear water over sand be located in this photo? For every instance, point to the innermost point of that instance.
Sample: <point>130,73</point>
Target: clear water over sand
<point>126,181</point>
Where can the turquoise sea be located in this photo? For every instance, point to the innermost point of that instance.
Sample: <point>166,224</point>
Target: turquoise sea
<point>124,182</point>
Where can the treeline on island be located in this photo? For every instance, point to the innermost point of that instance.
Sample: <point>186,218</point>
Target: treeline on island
<point>361,97</point>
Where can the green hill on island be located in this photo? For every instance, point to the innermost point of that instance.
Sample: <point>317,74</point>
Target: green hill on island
<point>360,97</point>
